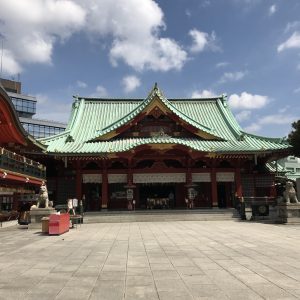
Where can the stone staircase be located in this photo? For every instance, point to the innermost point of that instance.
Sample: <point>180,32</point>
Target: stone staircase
<point>161,215</point>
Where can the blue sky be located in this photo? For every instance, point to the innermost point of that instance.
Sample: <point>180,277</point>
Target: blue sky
<point>247,49</point>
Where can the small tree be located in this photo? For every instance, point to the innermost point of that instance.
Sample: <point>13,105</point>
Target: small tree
<point>294,138</point>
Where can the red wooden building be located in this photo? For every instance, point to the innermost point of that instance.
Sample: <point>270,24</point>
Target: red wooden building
<point>158,152</point>
<point>19,174</point>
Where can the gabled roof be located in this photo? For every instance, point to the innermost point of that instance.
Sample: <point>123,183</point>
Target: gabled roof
<point>93,121</point>
<point>155,98</point>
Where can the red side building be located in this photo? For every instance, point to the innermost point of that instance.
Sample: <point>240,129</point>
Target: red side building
<point>20,176</point>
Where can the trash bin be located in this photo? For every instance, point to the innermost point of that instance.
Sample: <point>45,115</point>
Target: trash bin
<point>45,225</point>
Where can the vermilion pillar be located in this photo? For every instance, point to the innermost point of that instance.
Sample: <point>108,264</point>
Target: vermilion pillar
<point>273,188</point>
<point>188,172</point>
<point>129,173</point>
<point>238,183</point>
<point>214,188</point>
<point>78,180</point>
<point>104,186</point>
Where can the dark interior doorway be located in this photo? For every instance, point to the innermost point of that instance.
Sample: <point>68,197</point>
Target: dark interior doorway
<point>222,195</point>
<point>160,192</point>
<point>92,192</point>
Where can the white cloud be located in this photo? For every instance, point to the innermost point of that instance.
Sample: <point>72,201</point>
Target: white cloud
<point>254,127</point>
<point>81,84</point>
<point>9,64</point>
<point>243,115</point>
<point>247,101</point>
<point>31,28</point>
<point>130,83</point>
<point>276,119</point>
<point>297,90</point>
<point>156,54</point>
<point>222,64</point>
<point>292,42</point>
<point>202,41</point>
<point>232,76</point>
<point>283,109</point>
<point>291,26</point>
<point>101,91</point>
<point>205,3</point>
<point>188,13</point>
<point>272,9</point>
<point>52,109</point>
<point>203,94</point>
<point>42,99</point>
<point>135,28</point>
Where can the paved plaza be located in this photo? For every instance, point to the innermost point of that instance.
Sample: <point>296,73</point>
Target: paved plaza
<point>158,260</point>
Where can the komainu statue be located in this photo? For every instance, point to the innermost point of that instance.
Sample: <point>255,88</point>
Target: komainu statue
<point>43,199</point>
<point>290,193</point>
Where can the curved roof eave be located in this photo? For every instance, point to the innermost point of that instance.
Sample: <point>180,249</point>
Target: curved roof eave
<point>25,136</point>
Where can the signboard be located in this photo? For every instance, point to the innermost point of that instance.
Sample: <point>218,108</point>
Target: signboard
<point>225,176</point>
<point>75,202</point>
<point>158,177</point>
<point>201,177</point>
<point>129,194</point>
<point>117,178</point>
<point>91,178</point>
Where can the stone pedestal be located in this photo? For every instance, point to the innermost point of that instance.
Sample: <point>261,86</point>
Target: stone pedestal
<point>36,215</point>
<point>286,213</point>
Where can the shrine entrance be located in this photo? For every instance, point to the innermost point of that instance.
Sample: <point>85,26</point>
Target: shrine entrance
<point>92,192</point>
<point>157,195</point>
<point>225,194</point>
<point>160,190</point>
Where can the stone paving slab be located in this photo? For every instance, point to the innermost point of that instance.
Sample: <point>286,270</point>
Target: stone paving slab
<point>159,260</point>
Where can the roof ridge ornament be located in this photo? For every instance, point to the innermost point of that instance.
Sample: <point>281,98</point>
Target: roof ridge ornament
<point>224,99</point>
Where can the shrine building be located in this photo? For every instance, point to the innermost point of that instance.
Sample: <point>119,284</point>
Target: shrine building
<point>158,153</point>
<point>20,175</point>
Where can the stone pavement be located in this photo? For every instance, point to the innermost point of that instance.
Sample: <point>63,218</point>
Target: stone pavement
<point>158,260</point>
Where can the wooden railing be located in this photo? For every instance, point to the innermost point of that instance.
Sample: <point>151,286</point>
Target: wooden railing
<point>11,161</point>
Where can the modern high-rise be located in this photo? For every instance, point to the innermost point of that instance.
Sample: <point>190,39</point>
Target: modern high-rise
<point>25,106</point>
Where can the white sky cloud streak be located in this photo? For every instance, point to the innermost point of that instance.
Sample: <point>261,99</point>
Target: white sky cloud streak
<point>32,28</point>
<point>136,43</point>
<point>272,9</point>
<point>130,83</point>
<point>232,76</point>
<point>222,64</point>
<point>276,119</point>
<point>247,101</point>
<point>243,115</point>
<point>292,42</point>
<point>203,41</point>
<point>203,94</point>
<point>81,84</point>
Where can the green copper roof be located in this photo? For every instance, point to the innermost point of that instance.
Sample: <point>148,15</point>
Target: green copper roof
<point>155,92</point>
<point>92,118</point>
<point>122,145</point>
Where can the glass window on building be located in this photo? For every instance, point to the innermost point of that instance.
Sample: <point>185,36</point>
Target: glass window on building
<point>23,105</point>
<point>40,131</point>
